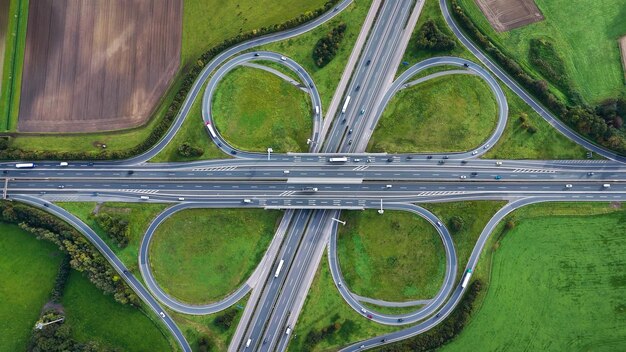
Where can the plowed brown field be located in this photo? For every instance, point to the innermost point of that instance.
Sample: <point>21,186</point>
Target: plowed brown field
<point>505,15</point>
<point>97,65</point>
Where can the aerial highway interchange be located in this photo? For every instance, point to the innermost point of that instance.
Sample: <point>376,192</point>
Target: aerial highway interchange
<point>314,187</point>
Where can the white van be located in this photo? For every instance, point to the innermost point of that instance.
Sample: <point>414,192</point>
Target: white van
<point>606,185</point>
<point>63,164</point>
<point>247,201</point>
<point>248,343</point>
<point>144,197</point>
<point>288,330</point>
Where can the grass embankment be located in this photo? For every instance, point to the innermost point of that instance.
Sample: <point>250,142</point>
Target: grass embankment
<point>589,48</point>
<point>560,261</point>
<point>254,109</point>
<point>301,47</point>
<point>200,33</point>
<point>394,257</point>
<point>200,255</point>
<point>96,317</point>
<point>193,132</point>
<point>13,64</point>
<point>139,217</point>
<point>449,113</point>
<point>28,268</point>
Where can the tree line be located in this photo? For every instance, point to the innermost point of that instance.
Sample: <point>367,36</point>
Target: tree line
<point>189,77</point>
<point>326,48</point>
<point>599,124</point>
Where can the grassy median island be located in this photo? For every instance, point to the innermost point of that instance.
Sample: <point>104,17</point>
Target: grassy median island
<point>96,317</point>
<point>201,255</point>
<point>28,268</point>
<point>394,257</point>
<point>254,109</point>
<point>589,46</point>
<point>448,113</point>
<point>557,282</point>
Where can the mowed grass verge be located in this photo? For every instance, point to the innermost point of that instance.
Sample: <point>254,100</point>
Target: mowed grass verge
<point>398,256</point>
<point>29,267</point>
<point>588,46</point>
<point>557,283</point>
<point>444,114</point>
<point>96,317</point>
<point>200,255</point>
<point>254,110</point>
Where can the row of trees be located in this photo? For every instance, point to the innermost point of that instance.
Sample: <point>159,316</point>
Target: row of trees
<point>84,257</point>
<point>431,38</point>
<point>189,77</point>
<point>326,48</point>
<point>588,121</point>
<point>115,226</point>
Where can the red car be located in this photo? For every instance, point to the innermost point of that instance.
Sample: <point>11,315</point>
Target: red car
<point>369,316</point>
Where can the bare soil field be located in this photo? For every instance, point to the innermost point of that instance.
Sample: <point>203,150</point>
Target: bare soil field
<point>97,65</point>
<point>622,46</point>
<point>505,15</point>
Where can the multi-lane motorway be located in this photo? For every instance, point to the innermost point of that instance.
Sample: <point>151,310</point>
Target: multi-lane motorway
<point>315,189</point>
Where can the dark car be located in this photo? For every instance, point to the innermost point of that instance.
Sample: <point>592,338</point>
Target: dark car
<point>130,172</point>
<point>409,158</point>
<point>357,88</point>
<point>474,173</point>
<point>369,316</point>
<point>368,62</point>
<point>233,152</point>
<point>400,320</point>
<point>389,160</point>
<point>445,157</point>
<point>429,157</point>
<point>256,54</point>
<point>463,161</point>
<point>466,65</point>
<point>350,142</point>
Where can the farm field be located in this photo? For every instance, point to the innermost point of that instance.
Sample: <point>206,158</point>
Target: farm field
<point>28,268</point>
<point>278,116</point>
<point>96,317</point>
<point>193,253</point>
<point>588,44</point>
<point>395,257</point>
<point>559,256</point>
<point>444,114</point>
<point>79,74</point>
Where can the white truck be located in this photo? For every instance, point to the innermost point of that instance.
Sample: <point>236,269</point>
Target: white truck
<point>466,278</point>
<point>345,105</point>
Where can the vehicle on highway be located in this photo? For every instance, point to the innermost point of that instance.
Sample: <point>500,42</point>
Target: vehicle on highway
<point>475,152</point>
<point>162,314</point>
<point>350,142</point>
<point>344,120</point>
<point>256,54</point>
<point>288,331</point>
<point>61,186</point>
<point>233,152</point>
<point>442,162</point>
<point>409,158</point>
<point>356,160</point>
<point>345,105</point>
<point>474,174</point>
<point>130,172</point>
<point>286,171</point>
<point>363,311</point>
<point>466,278</point>
<point>280,266</point>
<point>24,166</point>
<point>389,160</point>
<point>606,185</point>
<point>350,131</point>
<point>282,58</point>
<point>248,342</point>
<point>247,201</point>
<point>368,62</point>
<point>429,157</point>
<point>569,185</point>
<point>309,189</point>
<point>388,186</point>
<point>317,110</point>
<point>498,163</point>
<point>63,164</point>
<point>338,159</point>
<point>362,111</point>
<point>590,173</point>
<point>400,320</point>
<point>466,65</point>
<point>181,198</point>
<point>486,146</point>
<point>439,224</point>
<point>144,197</point>
<point>369,316</point>
<point>446,157</point>
<point>357,88</point>
<point>463,162</point>
<point>211,130</point>
<point>498,177</point>
<point>463,177</point>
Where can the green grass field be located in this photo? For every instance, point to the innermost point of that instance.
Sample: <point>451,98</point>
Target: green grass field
<point>394,257</point>
<point>139,217</point>
<point>449,113</point>
<point>325,306</point>
<point>278,116</point>
<point>193,131</point>
<point>556,284</point>
<point>193,252</point>
<point>588,45</point>
<point>96,317</point>
<point>28,268</point>
<point>301,47</point>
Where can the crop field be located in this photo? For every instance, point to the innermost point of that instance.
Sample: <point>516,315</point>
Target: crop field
<point>28,268</point>
<point>622,46</point>
<point>585,35</point>
<point>557,283</point>
<point>395,257</point>
<point>80,74</point>
<point>444,114</point>
<point>505,15</point>
<point>96,317</point>
<point>200,255</point>
<point>254,109</point>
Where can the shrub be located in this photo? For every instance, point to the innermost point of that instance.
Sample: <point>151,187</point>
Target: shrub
<point>4,143</point>
<point>457,223</point>
<point>115,226</point>
<point>431,38</point>
<point>225,320</point>
<point>186,149</point>
<point>326,48</point>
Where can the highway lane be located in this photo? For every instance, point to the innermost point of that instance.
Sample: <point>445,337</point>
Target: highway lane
<point>428,308</point>
<point>108,254</point>
<point>519,91</point>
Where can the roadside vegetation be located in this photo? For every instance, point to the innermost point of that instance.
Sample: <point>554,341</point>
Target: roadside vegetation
<point>394,257</point>
<point>326,48</point>
<point>254,109</point>
<point>201,255</point>
<point>555,256</point>
<point>444,114</point>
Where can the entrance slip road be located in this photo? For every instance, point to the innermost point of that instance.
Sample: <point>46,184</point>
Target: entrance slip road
<point>313,189</point>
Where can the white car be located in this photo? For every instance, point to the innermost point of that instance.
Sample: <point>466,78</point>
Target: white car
<point>363,310</point>
<point>286,172</point>
<point>162,314</point>
<point>486,146</point>
<point>463,177</point>
<point>475,152</point>
<point>569,185</point>
<point>439,224</point>
<point>283,58</point>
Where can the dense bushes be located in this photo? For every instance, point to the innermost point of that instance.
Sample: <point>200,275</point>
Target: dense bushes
<point>115,226</point>
<point>58,337</point>
<point>186,149</point>
<point>189,77</point>
<point>326,48</point>
<point>586,120</point>
<point>431,38</point>
<point>444,332</point>
<point>84,257</point>
<point>457,223</point>
<point>225,321</point>
<point>526,124</point>
<point>61,280</point>
<point>316,336</point>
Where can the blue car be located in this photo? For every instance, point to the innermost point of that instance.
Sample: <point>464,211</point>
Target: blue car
<point>498,177</point>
